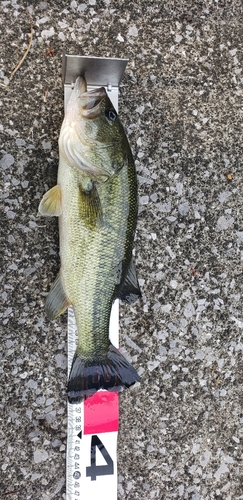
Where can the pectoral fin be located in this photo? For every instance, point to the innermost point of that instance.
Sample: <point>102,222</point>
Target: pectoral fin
<point>130,291</point>
<point>51,202</point>
<point>90,206</point>
<point>56,302</point>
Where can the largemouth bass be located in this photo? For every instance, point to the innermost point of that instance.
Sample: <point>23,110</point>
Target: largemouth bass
<point>96,201</point>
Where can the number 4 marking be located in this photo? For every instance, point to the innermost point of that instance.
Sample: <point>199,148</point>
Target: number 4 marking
<point>99,470</point>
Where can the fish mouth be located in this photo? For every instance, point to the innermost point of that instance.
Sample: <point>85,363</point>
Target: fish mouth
<point>89,100</point>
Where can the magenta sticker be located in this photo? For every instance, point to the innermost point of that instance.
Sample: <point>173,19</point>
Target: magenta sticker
<point>101,413</point>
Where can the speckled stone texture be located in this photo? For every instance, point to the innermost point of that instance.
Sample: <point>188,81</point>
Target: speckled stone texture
<point>181,103</point>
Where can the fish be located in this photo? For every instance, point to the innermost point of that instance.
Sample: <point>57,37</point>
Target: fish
<point>95,199</point>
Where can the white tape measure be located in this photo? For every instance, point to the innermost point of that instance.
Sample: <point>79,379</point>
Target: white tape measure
<point>91,464</point>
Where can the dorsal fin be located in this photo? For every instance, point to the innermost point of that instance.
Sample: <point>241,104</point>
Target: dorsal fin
<point>130,290</point>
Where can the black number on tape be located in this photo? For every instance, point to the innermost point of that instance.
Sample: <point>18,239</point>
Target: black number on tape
<point>99,470</point>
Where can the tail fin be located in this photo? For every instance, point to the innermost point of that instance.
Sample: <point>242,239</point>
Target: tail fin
<point>88,376</point>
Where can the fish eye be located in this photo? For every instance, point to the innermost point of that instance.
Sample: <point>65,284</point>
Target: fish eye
<point>111,114</point>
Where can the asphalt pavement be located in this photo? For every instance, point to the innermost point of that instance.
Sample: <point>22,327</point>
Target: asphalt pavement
<point>180,101</point>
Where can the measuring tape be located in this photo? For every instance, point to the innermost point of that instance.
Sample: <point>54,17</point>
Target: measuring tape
<point>91,463</point>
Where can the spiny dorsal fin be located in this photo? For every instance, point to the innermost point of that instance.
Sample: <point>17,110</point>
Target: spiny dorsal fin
<point>51,202</point>
<point>130,291</point>
<point>56,302</point>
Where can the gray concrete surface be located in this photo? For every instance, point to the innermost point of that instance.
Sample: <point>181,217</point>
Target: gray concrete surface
<point>181,103</point>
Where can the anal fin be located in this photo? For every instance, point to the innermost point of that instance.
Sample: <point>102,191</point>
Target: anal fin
<point>130,290</point>
<point>51,202</point>
<point>56,302</point>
